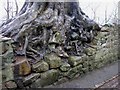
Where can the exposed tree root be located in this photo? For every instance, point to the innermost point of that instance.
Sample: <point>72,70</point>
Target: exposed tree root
<point>41,27</point>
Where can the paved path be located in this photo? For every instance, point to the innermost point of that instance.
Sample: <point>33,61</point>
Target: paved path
<point>91,79</point>
<point>111,83</point>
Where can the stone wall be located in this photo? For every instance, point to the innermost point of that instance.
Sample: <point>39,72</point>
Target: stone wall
<point>6,59</point>
<point>55,70</point>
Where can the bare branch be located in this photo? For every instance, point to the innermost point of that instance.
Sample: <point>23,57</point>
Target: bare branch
<point>5,9</point>
<point>16,4</point>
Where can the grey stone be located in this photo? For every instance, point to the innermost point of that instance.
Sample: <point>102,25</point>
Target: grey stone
<point>40,66</point>
<point>36,84</point>
<point>63,74</point>
<point>53,60</point>
<point>105,28</point>
<point>7,74</point>
<point>30,78</point>
<point>85,63</point>
<point>85,69</point>
<point>85,57</point>
<point>49,77</point>
<point>91,58</point>
<point>65,67</point>
<point>91,65</point>
<point>90,51</point>
<point>2,86</point>
<point>6,58</point>
<point>11,84</point>
<point>73,71</point>
<point>77,75</point>
<point>75,60</point>
<point>94,42</point>
<point>104,34</point>
<point>6,52</point>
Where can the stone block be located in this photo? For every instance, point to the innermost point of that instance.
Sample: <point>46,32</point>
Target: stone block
<point>11,84</point>
<point>90,51</point>
<point>31,78</point>
<point>24,67</point>
<point>94,42</point>
<point>6,52</point>
<point>7,74</point>
<point>36,84</point>
<point>40,66</point>
<point>75,60</point>
<point>73,71</point>
<point>65,67</point>
<point>53,60</point>
<point>6,58</point>
<point>105,29</point>
<point>63,74</point>
<point>2,87</point>
<point>104,34</point>
<point>49,77</point>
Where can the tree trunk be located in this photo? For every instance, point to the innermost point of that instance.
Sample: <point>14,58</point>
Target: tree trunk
<point>44,27</point>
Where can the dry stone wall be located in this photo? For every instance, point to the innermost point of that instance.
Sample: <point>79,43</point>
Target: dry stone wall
<point>55,70</point>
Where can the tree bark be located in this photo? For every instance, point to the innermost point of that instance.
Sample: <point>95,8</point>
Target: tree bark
<point>44,27</point>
